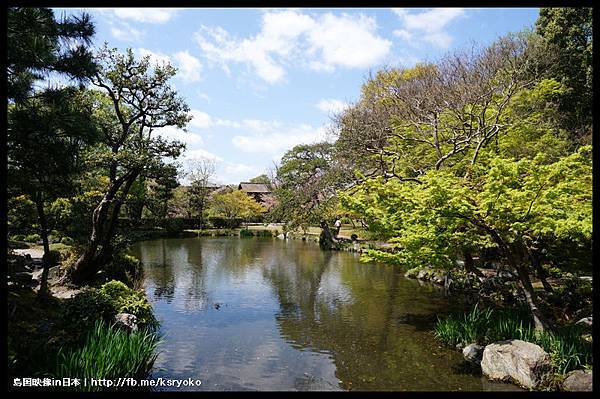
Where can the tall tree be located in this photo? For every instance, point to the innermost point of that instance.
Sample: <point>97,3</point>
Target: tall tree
<point>235,204</point>
<point>45,137</point>
<point>200,174</point>
<point>135,99</point>
<point>568,32</point>
<point>306,182</point>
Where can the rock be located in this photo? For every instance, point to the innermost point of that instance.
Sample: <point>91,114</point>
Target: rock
<point>473,353</point>
<point>126,321</point>
<point>525,363</point>
<point>459,346</point>
<point>586,321</point>
<point>438,279</point>
<point>412,273</point>
<point>281,237</point>
<point>578,381</point>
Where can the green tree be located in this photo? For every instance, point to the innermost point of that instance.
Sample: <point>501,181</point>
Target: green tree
<point>46,136</point>
<point>134,100</point>
<point>160,190</point>
<point>263,179</point>
<point>38,44</point>
<point>306,182</point>
<point>200,174</point>
<point>235,204</point>
<point>568,31</point>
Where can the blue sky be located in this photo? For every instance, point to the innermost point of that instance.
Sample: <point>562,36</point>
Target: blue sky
<point>260,81</point>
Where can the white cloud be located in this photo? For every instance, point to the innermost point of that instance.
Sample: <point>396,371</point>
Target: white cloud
<point>200,119</point>
<point>173,133</point>
<point>323,43</point>
<point>427,25</point>
<point>276,142</point>
<point>147,15</point>
<point>155,58</point>
<point>331,106</point>
<point>233,173</point>
<point>189,66</point>
<point>348,41</point>
<point>126,33</point>
<point>200,153</point>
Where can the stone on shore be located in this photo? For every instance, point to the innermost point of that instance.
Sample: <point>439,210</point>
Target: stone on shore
<point>578,381</point>
<point>126,321</point>
<point>473,353</point>
<point>522,362</point>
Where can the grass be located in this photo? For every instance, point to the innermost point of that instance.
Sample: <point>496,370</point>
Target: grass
<point>567,349</point>
<point>109,352</point>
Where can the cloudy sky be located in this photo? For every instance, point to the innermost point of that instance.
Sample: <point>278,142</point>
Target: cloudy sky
<point>260,81</point>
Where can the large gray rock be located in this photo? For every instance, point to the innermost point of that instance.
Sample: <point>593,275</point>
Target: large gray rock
<point>473,353</point>
<point>126,321</point>
<point>522,362</point>
<point>578,381</point>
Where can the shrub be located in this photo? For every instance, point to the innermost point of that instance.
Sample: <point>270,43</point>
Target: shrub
<point>264,233</point>
<point>67,241</point>
<point>105,302</point>
<point>18,237</point>
<point>126,300</point>
<point>126,268</point>
<point>86,308</point>
<point>110,353</point>
<point>33,238</point>
<point>174,226</point>
<point>246,233</point>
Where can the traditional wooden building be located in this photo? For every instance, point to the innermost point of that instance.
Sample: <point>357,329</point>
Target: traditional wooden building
<point>260,192</point>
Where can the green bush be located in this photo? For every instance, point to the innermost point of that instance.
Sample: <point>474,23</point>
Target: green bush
<point>105,302</point>
<point>33,238</point>
<point>110,353</point>
<point>246,233</point>
<point>67,241</point>
<point>127,300</point>
<point>264,233</point>
<point>87,307</point>
<point>174,226</point>
<point>568,350</point>
<point>18,237</point>
<point>126,268</point>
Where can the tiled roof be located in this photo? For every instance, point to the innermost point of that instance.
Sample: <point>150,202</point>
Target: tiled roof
<point>254,187</point>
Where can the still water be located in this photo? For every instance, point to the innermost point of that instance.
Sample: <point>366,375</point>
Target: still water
<point>268,314</point>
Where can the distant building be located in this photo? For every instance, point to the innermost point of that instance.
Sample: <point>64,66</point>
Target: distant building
<point>260,192</point>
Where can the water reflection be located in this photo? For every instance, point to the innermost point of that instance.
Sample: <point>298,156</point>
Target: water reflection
<point>261,314</point>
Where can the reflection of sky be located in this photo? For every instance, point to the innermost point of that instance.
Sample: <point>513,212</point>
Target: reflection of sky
<point>252,314</point>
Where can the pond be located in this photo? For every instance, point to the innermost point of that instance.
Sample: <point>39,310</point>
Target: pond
<point>269,314</point>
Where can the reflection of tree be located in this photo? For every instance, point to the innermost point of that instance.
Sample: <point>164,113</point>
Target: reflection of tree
<point>371,348</point>
<point>296,279</point>
<point>175,271</point>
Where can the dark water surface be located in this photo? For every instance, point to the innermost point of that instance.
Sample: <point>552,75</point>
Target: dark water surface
<point>268,314</point>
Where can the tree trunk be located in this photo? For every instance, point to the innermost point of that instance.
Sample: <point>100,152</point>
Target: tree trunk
<point>327,240</point>
<point>39,202</point>
<point>87,264</point>
<point>470,265</point>
<point>541,273</point>
<point>540,323</point>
